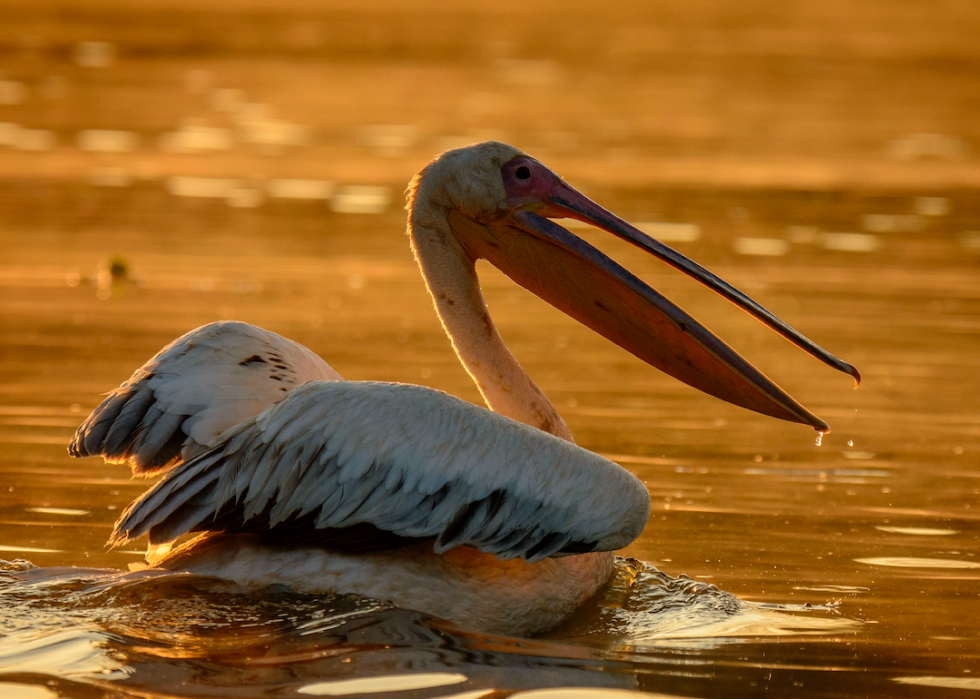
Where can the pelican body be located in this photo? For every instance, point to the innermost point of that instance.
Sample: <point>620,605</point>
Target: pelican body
<point>492,518</point>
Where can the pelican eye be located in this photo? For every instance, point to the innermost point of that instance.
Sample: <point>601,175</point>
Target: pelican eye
<point>523,172</point>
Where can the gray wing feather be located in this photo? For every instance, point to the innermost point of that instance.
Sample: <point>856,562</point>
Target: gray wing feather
<point>181,401</point>
<point>134,407</point>
<point>406,460</point>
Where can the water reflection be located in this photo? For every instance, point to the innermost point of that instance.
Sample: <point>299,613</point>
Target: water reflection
<point>763,247</point>
<point>196,137</point>
<point>908,562</point>
<point>917,531</point>
<point>386,683</point>
<point>107,141</point>
<point>945,682</point>
<point>645,607</point>
<point>157,630</point>
<point>361,199</point>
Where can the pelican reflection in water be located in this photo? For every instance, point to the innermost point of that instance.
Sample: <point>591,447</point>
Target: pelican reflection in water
<point>492,518</point>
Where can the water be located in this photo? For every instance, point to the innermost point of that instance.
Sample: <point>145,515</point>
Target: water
<point>847,568</point>
<point>129,632</point>
<point>819,159</point>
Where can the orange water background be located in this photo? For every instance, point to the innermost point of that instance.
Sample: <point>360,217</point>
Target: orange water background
<point>819,156</point>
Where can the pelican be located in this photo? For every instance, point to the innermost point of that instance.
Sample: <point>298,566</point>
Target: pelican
<point>494,518</point>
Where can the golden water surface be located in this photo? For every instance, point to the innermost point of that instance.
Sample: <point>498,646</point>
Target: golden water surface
<point>818,161</point>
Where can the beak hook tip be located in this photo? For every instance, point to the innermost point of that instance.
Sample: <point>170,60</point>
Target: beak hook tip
<point>856,375</point>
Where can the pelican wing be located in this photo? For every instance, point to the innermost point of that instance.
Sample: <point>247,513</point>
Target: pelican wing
<point>405,460</point>
<point>195,388</point>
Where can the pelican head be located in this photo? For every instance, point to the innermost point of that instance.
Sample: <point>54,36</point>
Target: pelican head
<point>468,180</point>
<point>498,203</point>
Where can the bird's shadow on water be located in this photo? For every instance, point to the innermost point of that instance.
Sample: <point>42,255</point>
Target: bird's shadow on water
<point>82,632</point>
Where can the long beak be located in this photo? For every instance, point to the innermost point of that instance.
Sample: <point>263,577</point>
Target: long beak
<point>587,285</point>
<point>572,204</point>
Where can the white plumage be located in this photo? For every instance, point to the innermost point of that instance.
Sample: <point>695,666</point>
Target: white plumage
<point>495,520</point>
<point>407,460</point>
<point>194,389</point>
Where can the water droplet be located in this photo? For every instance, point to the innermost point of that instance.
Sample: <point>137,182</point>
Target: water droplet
<point>850,442</point>
<point>819,438</point>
